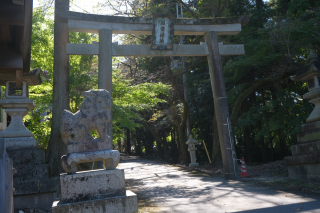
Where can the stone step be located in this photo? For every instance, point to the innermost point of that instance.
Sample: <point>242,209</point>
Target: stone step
<point>306,148</point>
<point>33,157</point>
<point>305,172</point>
<point>308,136</point>
<point>91,185</point>
<point>310,126</point>
<point>31,172</point>
<point>302,159</point>
<point>35,186</point>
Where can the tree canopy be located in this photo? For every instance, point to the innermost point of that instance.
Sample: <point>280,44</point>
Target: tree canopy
<point>149,105</point>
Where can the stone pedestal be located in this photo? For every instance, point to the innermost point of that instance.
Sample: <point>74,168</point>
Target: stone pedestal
<point>304,165</point>
<point>99,191</point>
<point>120,204</point>
<point>33,186</point>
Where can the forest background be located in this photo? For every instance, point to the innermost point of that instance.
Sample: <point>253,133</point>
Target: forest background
<point>151,110</point>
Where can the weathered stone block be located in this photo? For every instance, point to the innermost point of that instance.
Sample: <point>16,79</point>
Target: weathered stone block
<point>32,156</point>
<point>21,143</point>
<point>41,201</point>
<point>31,172</point>
<point>87,147</point>
<point>35,186</point>
<point>306,148</point>
<point>121,204</point>
<point>305,172</point>
<point>90,185</point>
<point>308,136</point>
<point>310,126</point>
<point>109,157</point>
<point>302,159</point>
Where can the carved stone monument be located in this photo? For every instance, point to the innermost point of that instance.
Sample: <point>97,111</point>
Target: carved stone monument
<point>100,190</point>
<point>304,164</point>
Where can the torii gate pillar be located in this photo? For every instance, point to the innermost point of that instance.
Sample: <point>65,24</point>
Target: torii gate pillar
<point>105,66</point>
<point>221,108</point>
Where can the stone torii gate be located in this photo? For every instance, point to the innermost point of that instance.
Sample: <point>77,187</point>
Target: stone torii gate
<point>105,26</point>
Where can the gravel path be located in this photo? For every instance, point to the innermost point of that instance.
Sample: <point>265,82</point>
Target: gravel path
<point>165,188</point>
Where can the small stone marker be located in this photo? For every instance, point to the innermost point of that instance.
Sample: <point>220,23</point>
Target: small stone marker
<point>192,149</point>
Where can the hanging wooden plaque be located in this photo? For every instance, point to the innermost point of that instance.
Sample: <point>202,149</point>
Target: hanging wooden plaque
<point>162,32</point>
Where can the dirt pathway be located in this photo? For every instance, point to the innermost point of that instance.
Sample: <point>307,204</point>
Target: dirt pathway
<point>165,188</point>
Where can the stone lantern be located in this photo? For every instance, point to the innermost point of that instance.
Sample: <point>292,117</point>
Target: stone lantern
<point>311,74</point>
<point>192,149</point>
<point>304,164</point>
<point>17,104</point>
<point>33,187</point>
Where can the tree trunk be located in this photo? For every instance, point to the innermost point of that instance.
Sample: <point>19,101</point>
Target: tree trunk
<point>128,151</point>
<point>159,140</point>
<point>56,147</point>
<point>183,145</point>
<point>263,146</point>
<point>119,144</point>
<point>159,150</point>
<point>271,147</point>
<point>138,148</point>
<point>179,148</point>
<point>247,138</point>
<point>283,145</point>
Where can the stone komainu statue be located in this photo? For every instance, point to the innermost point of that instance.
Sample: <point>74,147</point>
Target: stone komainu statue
<point>94,114</point>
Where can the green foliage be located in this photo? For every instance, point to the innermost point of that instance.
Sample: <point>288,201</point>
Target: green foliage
<point>129,100</point>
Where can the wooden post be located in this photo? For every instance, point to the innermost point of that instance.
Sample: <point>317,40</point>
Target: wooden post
<point>56,147</point>
<point>6,180</point>
<point>19,78</point>
<point>229,156</point>
<point>27,35</point>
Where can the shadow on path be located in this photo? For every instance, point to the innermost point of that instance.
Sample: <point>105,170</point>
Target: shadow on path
<point>165,188</point>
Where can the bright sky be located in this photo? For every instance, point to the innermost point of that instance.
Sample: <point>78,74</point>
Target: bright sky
<point>83,6</point>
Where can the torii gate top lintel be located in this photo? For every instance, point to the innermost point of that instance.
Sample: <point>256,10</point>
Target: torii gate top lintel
<point>91,23</point>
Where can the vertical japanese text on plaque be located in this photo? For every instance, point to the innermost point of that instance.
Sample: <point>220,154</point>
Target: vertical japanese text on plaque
<point>162,32</point>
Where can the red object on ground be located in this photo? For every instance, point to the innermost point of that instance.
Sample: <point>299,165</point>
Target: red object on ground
<point>244,172</point>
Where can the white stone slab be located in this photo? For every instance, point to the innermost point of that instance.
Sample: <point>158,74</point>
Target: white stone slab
<point>93,184</point>
<point>122,204</point>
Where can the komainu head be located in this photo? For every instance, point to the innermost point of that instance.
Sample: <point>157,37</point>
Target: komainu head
<point>94,113</point>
